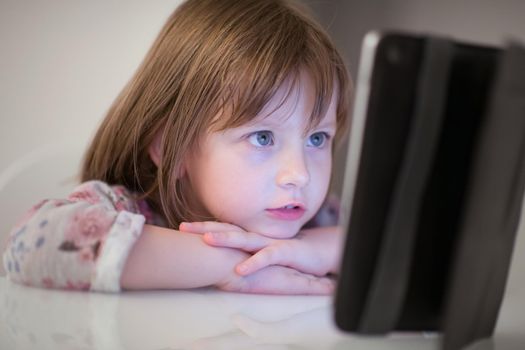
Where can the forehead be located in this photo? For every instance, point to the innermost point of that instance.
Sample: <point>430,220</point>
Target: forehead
<point>314,98</point>
<point>297,96</point>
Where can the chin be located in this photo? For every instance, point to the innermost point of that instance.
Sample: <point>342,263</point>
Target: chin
<point>284,231</point>
<point>274,229</point>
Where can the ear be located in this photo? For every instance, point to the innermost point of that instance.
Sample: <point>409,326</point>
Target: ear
<point>155,149</point>
<point>155,154</point>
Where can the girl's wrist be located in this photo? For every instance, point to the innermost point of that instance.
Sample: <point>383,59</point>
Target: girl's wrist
<point>230,280</point>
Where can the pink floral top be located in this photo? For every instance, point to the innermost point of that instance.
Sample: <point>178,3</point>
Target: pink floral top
<point>81,242</point>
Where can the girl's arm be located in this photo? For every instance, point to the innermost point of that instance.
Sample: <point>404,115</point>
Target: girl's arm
<point>315,250</point>
<point>168,259</point>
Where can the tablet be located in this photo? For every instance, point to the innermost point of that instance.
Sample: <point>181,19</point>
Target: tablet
<point>422,182</point>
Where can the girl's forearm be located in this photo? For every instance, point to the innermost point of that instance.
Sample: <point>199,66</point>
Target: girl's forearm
<point>168,259</point>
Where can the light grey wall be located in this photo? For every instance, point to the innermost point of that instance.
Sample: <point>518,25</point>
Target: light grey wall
<point>63,62</point>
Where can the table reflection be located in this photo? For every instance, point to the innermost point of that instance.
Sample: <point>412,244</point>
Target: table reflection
<point>198,320</point>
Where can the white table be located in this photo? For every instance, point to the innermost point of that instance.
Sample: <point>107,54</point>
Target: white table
<point>199,319</point>
<point>34,318</point>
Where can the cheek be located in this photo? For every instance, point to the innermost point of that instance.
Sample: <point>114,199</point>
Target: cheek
<point>228,183</point>
<point>321,167</point>
<point>321,171</point>
<point>322,182</point>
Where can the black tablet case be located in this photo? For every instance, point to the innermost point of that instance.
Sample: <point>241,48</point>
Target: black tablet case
<point>439,189</point>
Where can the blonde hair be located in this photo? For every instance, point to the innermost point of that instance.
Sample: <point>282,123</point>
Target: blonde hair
<point>210,56</point>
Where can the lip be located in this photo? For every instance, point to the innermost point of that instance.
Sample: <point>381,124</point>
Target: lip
<point>282,213</point>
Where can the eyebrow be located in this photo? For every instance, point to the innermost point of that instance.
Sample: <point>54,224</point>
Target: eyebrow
<point>274,124</point>
<point>327,124</point>
<point>263,122</point>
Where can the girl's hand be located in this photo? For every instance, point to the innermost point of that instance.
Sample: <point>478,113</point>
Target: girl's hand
<point>278,280</point>
<point>314,251</point>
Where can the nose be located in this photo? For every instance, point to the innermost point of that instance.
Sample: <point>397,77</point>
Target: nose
<point>293,170</point>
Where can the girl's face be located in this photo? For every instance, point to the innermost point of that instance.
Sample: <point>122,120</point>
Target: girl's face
<point>267,176</point>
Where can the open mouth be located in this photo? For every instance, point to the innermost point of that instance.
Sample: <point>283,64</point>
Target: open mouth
<point>291,206</point>
<point>287,212</point>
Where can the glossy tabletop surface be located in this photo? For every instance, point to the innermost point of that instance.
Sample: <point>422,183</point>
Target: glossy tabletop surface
<point>199,319</point>
<point>34,318</point>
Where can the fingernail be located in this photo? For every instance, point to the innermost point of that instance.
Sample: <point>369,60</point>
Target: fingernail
<point>242,268</point>
<point>215,235</point>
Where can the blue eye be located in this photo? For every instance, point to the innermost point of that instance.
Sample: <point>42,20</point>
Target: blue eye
<point>318,139</point>
<point>261,138</point>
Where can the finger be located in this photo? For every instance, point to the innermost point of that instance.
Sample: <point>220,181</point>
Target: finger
<point>247,241</point>
<point>208,226</point>
<point>272,255</point>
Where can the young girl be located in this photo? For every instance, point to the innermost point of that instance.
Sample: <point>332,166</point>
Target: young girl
<point>227,130</point>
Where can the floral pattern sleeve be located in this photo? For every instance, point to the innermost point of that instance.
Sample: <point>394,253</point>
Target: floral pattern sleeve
<point>81,242</point>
